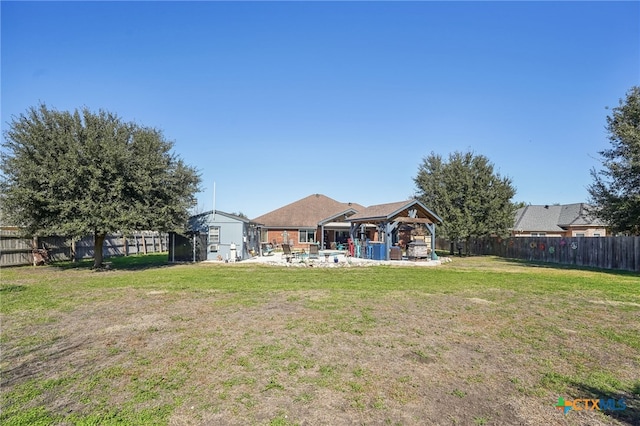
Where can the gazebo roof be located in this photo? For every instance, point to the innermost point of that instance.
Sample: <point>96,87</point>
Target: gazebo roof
<point>399,211</point>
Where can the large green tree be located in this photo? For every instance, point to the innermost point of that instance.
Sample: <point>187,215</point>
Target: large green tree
<point>615,191</point>
<point>471,198</point>
<point>81,173</point>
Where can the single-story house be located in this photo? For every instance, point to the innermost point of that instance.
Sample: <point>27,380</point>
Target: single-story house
<point>316,219</point>
<point>567,220</point>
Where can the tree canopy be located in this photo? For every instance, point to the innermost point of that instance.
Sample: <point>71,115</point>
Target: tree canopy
<point>80,173</point>
<point>467,194</point>
<point>615,191</point>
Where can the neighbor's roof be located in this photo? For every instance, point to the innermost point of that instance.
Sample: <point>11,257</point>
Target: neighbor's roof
<point>307,212</point>
<point>388,211</point>
<point>554,218</point>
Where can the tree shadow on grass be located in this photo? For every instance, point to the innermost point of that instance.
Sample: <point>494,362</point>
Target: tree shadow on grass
<point>560,266</point>
<point>630,415</point>
<point>18,371</point>
<point>121,263</point>
<point>10,288</point>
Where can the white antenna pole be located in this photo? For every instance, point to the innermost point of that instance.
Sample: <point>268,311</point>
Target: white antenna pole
<point>214,200</point>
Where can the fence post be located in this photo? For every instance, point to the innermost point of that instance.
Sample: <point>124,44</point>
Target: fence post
<point>173,247</point>
<point>73,250</point>
<point>126,244</point>
<point>34,243</point>
<point>144,243</point>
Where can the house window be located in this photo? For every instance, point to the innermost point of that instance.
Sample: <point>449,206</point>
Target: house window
<point>580,234</point>
<point>538,234</point>
<point>214,238</point>
<point>596,234</point>
<point>307,235</point>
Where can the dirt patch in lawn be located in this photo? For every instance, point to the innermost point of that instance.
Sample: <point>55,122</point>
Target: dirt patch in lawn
<point>310,357</point>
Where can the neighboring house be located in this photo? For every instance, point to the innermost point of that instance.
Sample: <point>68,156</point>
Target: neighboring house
<point>568,220</point>
<point>393,220</point>
<point>226,232</point>
<point>311,220</point>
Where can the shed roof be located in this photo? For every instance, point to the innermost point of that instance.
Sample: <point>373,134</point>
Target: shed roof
<point>221,213</point>
<point>200,221</point>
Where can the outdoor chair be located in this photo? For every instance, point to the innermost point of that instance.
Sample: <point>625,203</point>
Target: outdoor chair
<point>267,249</point>
<point>288,253</point>
<point>314,252</point>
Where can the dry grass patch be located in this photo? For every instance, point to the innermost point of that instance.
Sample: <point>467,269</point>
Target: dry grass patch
<point>478,341</point>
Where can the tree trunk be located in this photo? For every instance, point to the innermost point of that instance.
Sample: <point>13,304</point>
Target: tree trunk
<point>98,242</point>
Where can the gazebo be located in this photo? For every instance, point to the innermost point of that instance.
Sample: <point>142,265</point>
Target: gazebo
<point>388,217</point>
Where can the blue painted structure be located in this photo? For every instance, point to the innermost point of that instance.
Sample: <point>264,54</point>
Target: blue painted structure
<point>225,232</point>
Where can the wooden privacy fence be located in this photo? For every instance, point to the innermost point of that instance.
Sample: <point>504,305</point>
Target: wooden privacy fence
<point>15,250</point>
<point>621,253</point>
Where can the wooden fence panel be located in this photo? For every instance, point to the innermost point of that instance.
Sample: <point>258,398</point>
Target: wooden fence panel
<point>59,248</point>
<point>599,252</point>
<point>15,250</point>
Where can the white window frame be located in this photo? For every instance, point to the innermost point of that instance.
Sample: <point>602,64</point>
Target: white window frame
<point>214,238</point>
<point>306,233</point>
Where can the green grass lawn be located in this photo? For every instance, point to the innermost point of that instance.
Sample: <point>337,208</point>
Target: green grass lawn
<point>476,341</point>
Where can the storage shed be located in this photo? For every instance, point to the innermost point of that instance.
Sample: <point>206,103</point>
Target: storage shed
<point>229,237</point>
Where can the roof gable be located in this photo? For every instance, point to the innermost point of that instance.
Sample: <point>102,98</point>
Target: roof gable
<point>388,211</point>
<point>538,218</point>
<point>307,212</point>
<point>202,221</point>
<point>221,213</point>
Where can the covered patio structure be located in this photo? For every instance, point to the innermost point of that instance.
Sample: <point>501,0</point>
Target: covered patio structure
<point>335,229</point>
<point>387,218</point>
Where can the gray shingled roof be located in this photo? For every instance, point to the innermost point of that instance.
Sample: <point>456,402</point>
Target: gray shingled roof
<point>553,218</point>
<point>199,221</point>
<point>306,213</point>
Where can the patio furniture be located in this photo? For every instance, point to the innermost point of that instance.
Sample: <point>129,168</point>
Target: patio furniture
<point>395,253</point>
<point>314,252</point>
<point>288,253</point>
<point>267,249</point>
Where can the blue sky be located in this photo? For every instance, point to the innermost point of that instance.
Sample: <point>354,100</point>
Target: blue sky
<point>274,101</point>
